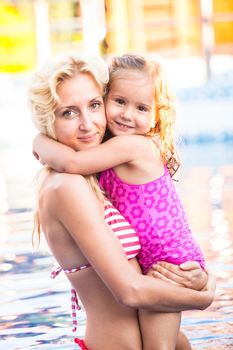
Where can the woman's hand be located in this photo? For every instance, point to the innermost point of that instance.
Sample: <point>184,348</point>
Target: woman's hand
<point>189,274</point>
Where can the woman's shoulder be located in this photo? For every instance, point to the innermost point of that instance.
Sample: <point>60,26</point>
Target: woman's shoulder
<point>61,190</point>
<point>62,184</point>
<point>63,194</point>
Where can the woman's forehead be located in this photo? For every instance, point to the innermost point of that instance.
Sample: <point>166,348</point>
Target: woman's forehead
<point>80,83</point>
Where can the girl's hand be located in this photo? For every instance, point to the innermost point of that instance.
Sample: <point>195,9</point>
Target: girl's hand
<point>35,153</point>
<point>38,158</point>
<point>188,274</point>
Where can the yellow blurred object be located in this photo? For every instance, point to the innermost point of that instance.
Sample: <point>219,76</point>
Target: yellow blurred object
<point>175,28</point>
<point>223,26</point>
<point>17,41</point>
<point>169,27</point>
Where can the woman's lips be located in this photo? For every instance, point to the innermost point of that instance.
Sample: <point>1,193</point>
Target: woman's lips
<point>88,138</point>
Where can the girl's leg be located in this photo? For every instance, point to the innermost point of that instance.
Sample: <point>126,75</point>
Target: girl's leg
<point>159,330</point>
<point>183,342</point>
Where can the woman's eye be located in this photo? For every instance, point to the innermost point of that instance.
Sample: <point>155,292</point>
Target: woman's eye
<point>96,105</point>
<point>69,114</point>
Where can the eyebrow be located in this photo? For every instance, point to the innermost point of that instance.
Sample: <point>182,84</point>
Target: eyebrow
<point>75,107</point>
<point>60,109</point>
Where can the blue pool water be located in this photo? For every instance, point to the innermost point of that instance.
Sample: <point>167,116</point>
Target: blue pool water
<point>35,310</point>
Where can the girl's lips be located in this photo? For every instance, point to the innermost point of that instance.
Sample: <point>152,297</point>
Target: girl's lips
<point>123,126</point>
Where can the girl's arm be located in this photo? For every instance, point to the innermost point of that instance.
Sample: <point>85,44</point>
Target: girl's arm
<point>80,213</point>
<point>117,150</point>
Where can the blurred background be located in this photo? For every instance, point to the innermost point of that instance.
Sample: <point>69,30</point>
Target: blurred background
<point>194,41</point>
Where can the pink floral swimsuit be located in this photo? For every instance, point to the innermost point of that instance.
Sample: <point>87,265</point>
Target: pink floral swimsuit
<point>156,213</point>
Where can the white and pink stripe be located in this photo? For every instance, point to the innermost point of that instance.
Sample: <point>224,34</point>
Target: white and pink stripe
<point>122,229</point>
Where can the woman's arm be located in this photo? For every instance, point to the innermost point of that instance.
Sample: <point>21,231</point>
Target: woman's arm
<point>117,150</point>
<point>79,211</point>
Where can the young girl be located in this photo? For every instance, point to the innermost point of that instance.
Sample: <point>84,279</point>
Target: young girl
<point>137,166</point>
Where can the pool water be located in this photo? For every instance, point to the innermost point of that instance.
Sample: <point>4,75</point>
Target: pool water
<point>35,310</point>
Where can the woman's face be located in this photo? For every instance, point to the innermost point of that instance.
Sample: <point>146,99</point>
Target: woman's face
<point>80,120</point>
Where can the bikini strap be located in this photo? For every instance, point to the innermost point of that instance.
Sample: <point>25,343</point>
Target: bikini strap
<point>80,342</point>
<point>74,306</point>
<point>76,269</point>
<point>74,298</point>
<point>54,273</point>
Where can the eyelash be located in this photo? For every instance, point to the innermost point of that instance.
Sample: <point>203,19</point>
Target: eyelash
<point>140,108</point>
<point>98,104</point>
<point>120,101</point>
<point>68,113</point>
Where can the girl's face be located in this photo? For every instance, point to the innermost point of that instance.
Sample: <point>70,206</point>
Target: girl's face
<point>80,120</point>
<point>130,105</point>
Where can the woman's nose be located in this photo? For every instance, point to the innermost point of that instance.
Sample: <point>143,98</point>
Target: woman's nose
<point>86,123</point>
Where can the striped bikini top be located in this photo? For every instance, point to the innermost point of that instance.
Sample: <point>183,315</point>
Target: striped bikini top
<point>129,241</point>
<point>122,229</point>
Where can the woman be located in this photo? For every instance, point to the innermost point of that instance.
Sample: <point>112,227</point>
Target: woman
<point>67,104</point>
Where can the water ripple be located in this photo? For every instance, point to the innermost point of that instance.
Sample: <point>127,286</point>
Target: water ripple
<point>35,310</point>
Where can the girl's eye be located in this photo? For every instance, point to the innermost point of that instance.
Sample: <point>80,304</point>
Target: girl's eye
<point>120,101</point>
<point>142,109</point>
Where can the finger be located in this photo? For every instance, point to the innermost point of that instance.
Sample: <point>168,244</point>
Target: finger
<point>190,265</point>
<point>171,267</point>
<point>182,271</point>
<point>42,162</point>
<point>171,275</point>
<point>159,276</point>
<point>194,278</point>
<point>35,155</point>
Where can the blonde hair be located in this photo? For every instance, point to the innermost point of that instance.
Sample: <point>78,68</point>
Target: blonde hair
<point>165,113</point>
<point>43,101</point>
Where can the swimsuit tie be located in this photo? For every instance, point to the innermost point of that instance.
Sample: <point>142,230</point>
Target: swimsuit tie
<point>55,272</point>
<point>74,298</point>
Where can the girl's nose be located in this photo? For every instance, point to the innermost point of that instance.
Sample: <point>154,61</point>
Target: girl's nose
<point>127,113</point>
